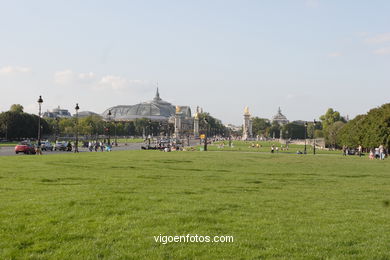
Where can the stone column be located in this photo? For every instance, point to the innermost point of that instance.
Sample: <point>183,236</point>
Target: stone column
<point>196,126</point>
<point>178,125</point>
<point>250,128</point>
<point>246,126</point>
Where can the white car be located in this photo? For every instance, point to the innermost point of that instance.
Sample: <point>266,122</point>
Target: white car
<point>47,146</point>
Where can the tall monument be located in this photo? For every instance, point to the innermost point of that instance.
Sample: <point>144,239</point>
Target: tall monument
<point>247,126</point>
<point>178,115</point>
<point>196,123</point>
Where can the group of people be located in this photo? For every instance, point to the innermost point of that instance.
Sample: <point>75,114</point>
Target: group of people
<point>374,153</point>
<point>102,146</point>
<point>378,153</point>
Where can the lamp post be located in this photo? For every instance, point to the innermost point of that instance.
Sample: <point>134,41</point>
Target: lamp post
<point>57,128</point>
<point>305,136</point>
<point>6,128</point>
<point>230,138</point>
<point>76,145</point>
<point>314,139</point>
<point>116,140</point>
<point>109,121</point>
<point>207,133</point>
<point>150,132</point>
<point>40,101</point>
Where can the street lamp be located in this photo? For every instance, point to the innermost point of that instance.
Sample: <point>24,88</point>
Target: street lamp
<point>40,101</point>
<point>109,121</point>
<point>305,136</point>
<point>116,140</point>
<point>230,138</point>
<point>57,128</point>
<point>314,139</point>
<point>150,133</point>
<point>207,133</point>
<point>76,145</point>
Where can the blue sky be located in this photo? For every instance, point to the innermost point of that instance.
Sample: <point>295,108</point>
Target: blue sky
<point>223,55</point>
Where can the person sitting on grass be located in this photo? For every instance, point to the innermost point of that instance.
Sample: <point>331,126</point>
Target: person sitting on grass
<point>372,155</point>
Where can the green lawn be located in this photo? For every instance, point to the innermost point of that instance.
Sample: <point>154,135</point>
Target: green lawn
<point>111,205</point>
<point>129,140</point>
<point>246,146</point>
<point>8,144</point>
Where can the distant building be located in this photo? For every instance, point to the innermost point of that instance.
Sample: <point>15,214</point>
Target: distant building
<point>280,118</point>
<point>87,114</point>
<point>155,110</point>
<point>234,128</point>
<point>57,113</point>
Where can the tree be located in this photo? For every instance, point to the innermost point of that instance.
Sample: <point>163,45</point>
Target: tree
<point>327,120</point>
<point>333,133</point>
<point>293,131</point>
<point>209,124</point>
<point>274,130</point>
<point>331,116</point>
<point>369,130</point>
<point>16,125</point>
<point>17,108</point>
<point>260,126</point>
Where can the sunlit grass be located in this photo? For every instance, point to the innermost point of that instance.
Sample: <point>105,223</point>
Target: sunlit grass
<point>110,205</point>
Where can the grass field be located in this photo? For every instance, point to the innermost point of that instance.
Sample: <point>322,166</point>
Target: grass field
<point>111,205</point>
<point>129,140</point>
<point>8,144</point>
<point>265,147</point>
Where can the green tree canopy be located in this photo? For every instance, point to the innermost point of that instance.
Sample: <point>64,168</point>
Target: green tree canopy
<point>16,125</point>
<point>17,108</point>
<point>369,130</point>
<point>260,126</point>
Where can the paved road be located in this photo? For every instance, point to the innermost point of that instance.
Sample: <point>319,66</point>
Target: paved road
<point>9,151</point>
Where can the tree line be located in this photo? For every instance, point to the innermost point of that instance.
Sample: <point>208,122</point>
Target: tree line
<point>294,130</point>
<point>15,124</point>
<point>369,130</point>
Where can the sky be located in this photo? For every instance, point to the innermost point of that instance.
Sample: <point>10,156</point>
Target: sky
<point>304,56</point>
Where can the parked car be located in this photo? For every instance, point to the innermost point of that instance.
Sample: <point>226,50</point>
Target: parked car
<point>63,146</point>
<point>60,146</point>
<point>25,147</point>
<point>47,146</point>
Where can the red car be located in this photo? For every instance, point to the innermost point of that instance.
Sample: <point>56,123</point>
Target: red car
<point>25,148</point>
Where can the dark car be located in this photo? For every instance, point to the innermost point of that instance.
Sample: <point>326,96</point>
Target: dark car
<point>25,147</point>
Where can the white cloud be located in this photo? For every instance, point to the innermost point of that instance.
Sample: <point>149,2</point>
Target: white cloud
<point>92,81</point>
<point>87,76</point>
<point>335,54</point>
<point>64,77</point>
<point>379,38</point>
<point>11,70</point>
<point>68,77</point>
<point>120,83</point>
<point>382,51</point>
<point>113,82</point>
<point>312,3</point>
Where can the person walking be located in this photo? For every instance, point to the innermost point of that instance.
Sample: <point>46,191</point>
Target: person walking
<point>38,150</point>
<point>381,152</point>
<point>360,151</point>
